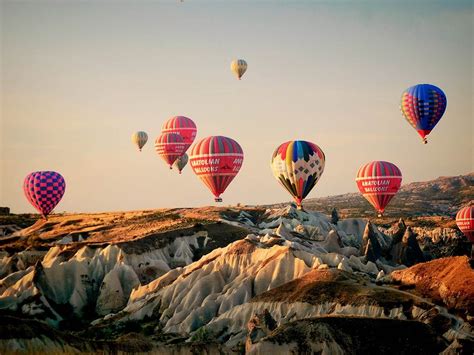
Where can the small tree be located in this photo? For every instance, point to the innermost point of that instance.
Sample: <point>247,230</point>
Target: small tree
<point>334,216</point>
<point>203,335</point>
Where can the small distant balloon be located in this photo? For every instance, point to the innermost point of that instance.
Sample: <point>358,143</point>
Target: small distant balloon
<point>298,165</point>
<point>139,139</point>
<point>378,182</point>
<point>181,162</point>
<point>170,146</point>
<point>44,190</point>
<point>238,67</point>
<point>423,106</point>
<point>465,222</point>
<point>182,125</point>
<point>216,160</point>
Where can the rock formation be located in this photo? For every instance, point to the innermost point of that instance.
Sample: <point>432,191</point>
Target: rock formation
<point>229,280</point>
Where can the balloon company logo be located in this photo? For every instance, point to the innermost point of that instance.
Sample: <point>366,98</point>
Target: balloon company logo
<point>376,189</point>
<point>385,185</point>
<point>199,162</point>
<point>206,169</point>
<point>205,165</point>
<point>376,183</point>
<point>464,224</point>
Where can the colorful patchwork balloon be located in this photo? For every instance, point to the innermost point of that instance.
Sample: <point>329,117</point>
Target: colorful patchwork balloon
<point>181,162</point>
<point>44,190</point>
<point>423,106</point>
<point>216,160</point>
<point>298,165</point>
<point>465,222</point>
<point>378,182</point>
<point>139,139</point>
<point>170,146</point>
<point>184,126</point>
<point>238,67</point>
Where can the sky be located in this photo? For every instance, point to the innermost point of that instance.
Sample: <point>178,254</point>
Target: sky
<point>79,77</point>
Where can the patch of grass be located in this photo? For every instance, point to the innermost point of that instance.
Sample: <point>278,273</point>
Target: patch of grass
<point>203,335</point>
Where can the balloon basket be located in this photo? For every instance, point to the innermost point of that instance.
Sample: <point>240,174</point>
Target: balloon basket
<point>218,199</point>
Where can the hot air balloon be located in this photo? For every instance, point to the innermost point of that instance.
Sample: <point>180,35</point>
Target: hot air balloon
<point>184,126</point>
<point>181,162</point>
<point>170,146</point>
<point>465,222</point>
<point>238,67</point>
<point>44,190</point>
<point>216,160</point>
<point>423,106</point>
<point>378,182</point>
<point>298,165</point>
<point>139,139</point>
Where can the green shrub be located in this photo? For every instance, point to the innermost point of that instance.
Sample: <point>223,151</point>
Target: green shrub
<point>203,335</point>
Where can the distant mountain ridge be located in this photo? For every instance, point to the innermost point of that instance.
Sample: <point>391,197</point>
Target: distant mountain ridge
<point>439,197</point>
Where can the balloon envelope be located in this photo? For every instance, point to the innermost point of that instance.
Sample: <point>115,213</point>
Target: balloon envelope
<point>170,146</point>
<point>423,106</point>
<point>181,162</point>
<point>298,165</point>
<point>44,190</point>
<point>465,222</point>
<point>238,67</point>
<point>139,139</point>
<point>216,160</point>
<point>378,182</point>
<point>182,125</point>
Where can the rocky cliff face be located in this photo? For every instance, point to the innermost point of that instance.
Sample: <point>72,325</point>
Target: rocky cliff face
<point>229,280</point>
<point>448,281</point>
<point>87,279</point>
<point>341,335</point>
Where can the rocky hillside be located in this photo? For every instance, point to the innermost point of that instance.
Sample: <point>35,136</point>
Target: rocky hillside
<point>227,280</point>
<point>440,197</point>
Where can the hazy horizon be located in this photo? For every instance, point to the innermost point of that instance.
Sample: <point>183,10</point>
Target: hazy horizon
<point>78,78</point>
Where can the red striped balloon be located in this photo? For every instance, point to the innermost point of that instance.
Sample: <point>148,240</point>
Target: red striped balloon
<point>465,222</point>
<point>170,146</point>
<point>216,160</point>
<point>378,182</point>
<point>184,126</point>
<point>44,190</point>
